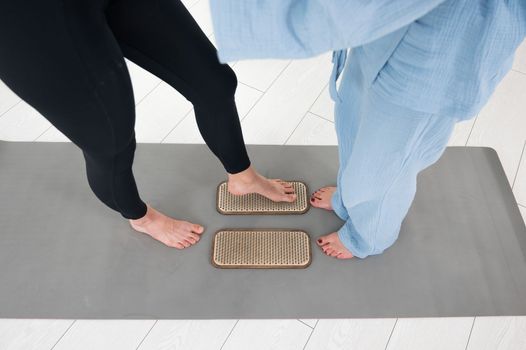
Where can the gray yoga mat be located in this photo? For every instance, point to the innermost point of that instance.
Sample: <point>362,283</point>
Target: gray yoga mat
<point>63,254</point>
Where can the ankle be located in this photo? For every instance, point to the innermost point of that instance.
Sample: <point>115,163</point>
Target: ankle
<point>146,219</point>
<point>247,176</point>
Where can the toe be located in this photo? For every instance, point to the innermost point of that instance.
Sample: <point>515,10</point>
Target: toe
<point>198,229</point>
<point>178,245</point>
<point>192,238</point>
<point>287,198</point>
<point>324,239</point>
<point>189,227</point>
<point>185,243</point>
<point>334,253</point>
<point>288,190</point>
<point>191,241</point>
<point>315,201</point>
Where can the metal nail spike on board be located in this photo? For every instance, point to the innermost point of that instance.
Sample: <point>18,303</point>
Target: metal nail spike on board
<point>256,204</point>
<point>258,249</point>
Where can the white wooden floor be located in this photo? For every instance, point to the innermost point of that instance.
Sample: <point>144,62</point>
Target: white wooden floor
<point>280,102</point>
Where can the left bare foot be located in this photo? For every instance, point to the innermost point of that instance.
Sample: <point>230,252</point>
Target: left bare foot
<point>332,246</point>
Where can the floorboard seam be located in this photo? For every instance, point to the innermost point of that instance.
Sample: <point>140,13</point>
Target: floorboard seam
<point>519,166</point>
<point>295,128</point>
<point>304,323</point>
<point>241,118</point>
<point>470,331</point>
<point>472,128</point>
<point>305,115</point>
<point>63,334</point>
<point>176,125</point>
<point>148,93</point>
<point>271,83</point>
<point>518,71</point>
<point>228,336</point>
<point>264,92</point>
<point>146,335</point>
<point>321,117</point>
<point>42,133</point>
<point>391,334</point>
<point>250,86</point>
<point>310,335</point>
<point>10,108</point>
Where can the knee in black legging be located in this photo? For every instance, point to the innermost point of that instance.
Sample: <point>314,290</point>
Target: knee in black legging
<point>220,86</point>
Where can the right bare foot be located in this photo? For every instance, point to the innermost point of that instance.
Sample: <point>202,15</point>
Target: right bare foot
<point>322,198</point>
<point>173,233</point>
<point>249,181</point>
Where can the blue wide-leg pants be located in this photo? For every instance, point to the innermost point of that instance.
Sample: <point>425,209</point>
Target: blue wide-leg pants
<point>382,148</point>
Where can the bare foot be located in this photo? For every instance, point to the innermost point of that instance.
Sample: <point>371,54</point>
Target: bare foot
<point>173,233</point>
<point>249,181</point>
<point>332,246</point>
<point>322,198</point>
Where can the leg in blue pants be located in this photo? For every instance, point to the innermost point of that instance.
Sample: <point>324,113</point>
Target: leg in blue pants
<point>382,148</point>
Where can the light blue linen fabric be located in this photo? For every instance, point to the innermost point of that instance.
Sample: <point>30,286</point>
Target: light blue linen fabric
<point>382,147</point>
<point>416,67</point>
<point>436,56</point>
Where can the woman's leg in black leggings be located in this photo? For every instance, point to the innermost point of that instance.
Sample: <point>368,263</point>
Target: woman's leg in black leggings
<point>162,37</point>
<point>61,58</point>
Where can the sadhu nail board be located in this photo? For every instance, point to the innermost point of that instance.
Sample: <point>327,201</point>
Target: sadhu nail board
<point>256,204</point>
<point>261,249</point>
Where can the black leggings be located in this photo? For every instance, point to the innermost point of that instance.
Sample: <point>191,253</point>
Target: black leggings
<point>66,59</point>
